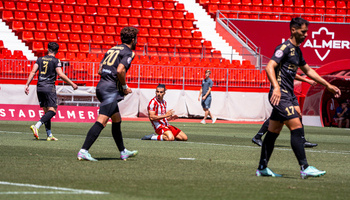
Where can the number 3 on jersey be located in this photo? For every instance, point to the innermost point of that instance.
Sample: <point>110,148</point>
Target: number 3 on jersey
<point>290,110</point>
<point>111,57</point>
<point>45,67</point>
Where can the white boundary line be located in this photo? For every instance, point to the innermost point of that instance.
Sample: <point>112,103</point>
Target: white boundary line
<point>214,144</point>
<point>61,189</point>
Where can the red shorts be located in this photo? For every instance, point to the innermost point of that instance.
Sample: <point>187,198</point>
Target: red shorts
<point>161,129</point>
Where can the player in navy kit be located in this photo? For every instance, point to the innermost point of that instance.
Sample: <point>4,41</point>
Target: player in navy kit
<point>281,71</point>
<point>110,90</point>
<point>49,67</point>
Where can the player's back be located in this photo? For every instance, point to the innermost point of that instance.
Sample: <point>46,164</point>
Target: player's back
<point>47,70</point>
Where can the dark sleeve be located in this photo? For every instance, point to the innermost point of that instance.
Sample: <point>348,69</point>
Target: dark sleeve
<point>38,61</point>
<point>126,60</point>
<point>302,61</point>
<point>280,53</point>
<point>58,64</point>
<point>211,83</point>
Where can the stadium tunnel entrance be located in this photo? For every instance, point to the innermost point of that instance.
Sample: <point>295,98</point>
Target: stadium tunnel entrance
<point>319,104</point>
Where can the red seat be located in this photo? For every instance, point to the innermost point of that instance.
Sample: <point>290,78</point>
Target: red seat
<point>33,7</point>
<point>146,14</point>
<point>85,38</point>
<point>164,32</point>
<point>186,34</point>
<point>158,5</point>
<point>80,10</point>
<point>7,15</point>
<point>31,16</point>
<point>22,6</point>
<point>267,2</point>
<point>70,56</point>
<point>309,4</point>
<point>53,27</point>
<point>44,17</point>
<point>154,32</point>
<point>163,42</point>
<point>114,3</point>
<point>97,39</point>
<point>126,3</point>
<point>177,24</point>
<point>143,32</point>
<point>64,28</point>
<point>144,23</point>
<point>19,15</point>
<point>62,37</point>
<point>135,13</point>
<point>87,29</point>
<point>133,22</point>
<point>188,24</point>
<point>123,21</point>
<point>56,8</point>
<point>197,34</point>
<point>179,15</point>
<point>68,9</point>
<point>319,4</point>
<point>27,36</point>
<point>113,12</point>
<point>39,36</point>
<point>17,25</point>
<point>99,30</point>
<point>186,43</point>
<point>89,19</point>
<point>73,47</point>
<point>52,37</point>
<point>91,10</point>
<point>277,3</point>
<point>60,55</point>
<point>62,47</point>
<point>341,4</point>
<point>104,2</point>
<point>124,12</point>
<point>45,7</point>
<point>153,42</point>
<point>190,16</point>
<point>330,4</point>
<point>74,37</point>
<point>175,33</point>
<point>37,46</point>
<point>111,21</point>
<point>102,11</point>
<point>157,14</point>
<point>168,15</point>
<point>53,17</point>
<point>299,3</point>
<point>196,44</point>
<point>95,48</point>
<point>108,39</point>
<point>76,28</point>
<point>147,4</point>
<point>110,30</point>
<point>10,5</point>
<point>175,42</point>
<point>156,23</point>
<point>169,6</point>
<point>66,18</point>
<point>93,2</point>
<point>136,4</point>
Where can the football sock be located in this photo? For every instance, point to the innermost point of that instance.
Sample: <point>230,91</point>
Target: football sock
<point>157,137</point>
<point>267,149</point>
<point>297,143</point>
<point>38,124</point>
<point>263,129</point>
<point>92,135</point>
<point>48,128</point>
<point>48,115</point>
<point>117,135</point>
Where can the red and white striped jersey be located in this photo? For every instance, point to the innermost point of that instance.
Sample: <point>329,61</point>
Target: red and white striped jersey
<point>160,109</point>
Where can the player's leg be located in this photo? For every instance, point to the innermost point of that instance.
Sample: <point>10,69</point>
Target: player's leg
<point>206,112</point>
<point>347,123</point>
<point>118,137</point>
<point>306,143</point>
<point>50,136</point>
<point>340,122</point>
<point>257,138</point>
<point>181,136</point>
<point>168,136</point>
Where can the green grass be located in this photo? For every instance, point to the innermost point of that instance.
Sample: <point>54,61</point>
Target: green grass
<point>224,165</point>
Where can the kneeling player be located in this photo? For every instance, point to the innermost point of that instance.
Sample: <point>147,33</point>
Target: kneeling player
<point>159,118</point>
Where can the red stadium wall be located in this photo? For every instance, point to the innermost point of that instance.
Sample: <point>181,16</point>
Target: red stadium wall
<point>325,42</point>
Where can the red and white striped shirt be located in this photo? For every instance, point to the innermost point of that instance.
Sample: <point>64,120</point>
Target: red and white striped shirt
<point>160,109</point>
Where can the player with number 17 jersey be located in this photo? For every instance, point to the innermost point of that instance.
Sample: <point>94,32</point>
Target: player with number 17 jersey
<point>109,88</point>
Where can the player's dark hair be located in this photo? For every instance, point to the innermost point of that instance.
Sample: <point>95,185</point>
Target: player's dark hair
<point>53,47</point>
<point>128,33</point>
<point>161,86</point>
<point>297,22</point>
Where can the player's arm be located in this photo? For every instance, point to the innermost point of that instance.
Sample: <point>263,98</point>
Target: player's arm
<point>30,78</point>
<point>121,72</point>
<point>153,117</point>
<point>314,76</point>
<point>200,93</point>
<point>303,79</point>
<point>270,71</point>
<point>100,68</point>
<point>65,78</point>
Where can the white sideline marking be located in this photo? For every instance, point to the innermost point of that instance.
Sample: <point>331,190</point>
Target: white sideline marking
<point>63,190</point>
<point>213,144</point>
<point>187,158</point>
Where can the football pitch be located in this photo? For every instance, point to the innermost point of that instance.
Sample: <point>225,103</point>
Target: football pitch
<point>217,162</point>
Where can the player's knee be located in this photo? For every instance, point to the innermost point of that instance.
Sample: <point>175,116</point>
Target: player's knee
<point>168,138</point>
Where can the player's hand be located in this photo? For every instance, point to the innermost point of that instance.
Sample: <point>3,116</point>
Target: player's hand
<point>204,97</point>
<point>335,90</point>
<point>74,86</point>
<point>26,90</point>
<point>173,117</point>
<point>312,82</point>
<point>127,91</point>
<point>199,98</point>
<point>170,113</point>
<point>276,96</point>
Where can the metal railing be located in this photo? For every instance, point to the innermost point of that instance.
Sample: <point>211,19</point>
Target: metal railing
<point>85,73</point>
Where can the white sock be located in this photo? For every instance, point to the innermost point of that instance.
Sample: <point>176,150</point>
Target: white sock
<point>157,137</point>
<point>83,151</point>
<point>49,134</point>
<point>38,124</point>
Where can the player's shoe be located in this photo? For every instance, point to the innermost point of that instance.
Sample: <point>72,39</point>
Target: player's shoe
<point>35,131</point>
<point>214,120</point>
<point>311,171</point>
<point>309,144</point>
<point>203,122</point>
<point>126,154</point>
<point>147,137</point>
<point>52,138</point>
<point>266,172</point>
<point>85,156</point>
<point>257,141</point>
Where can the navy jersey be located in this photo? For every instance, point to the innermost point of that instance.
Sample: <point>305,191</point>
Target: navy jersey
<point>47,72</point>
<point>206,84</point>
<point>109,86</point>
<point>289,58</point>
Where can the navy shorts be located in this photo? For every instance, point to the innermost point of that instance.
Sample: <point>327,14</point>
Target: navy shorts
<point>109,102</point>
<point>284,110</point>
<point>47,98</point>
<point>206,103</point>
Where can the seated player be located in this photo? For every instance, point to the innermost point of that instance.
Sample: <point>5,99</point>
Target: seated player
<point>341,115</point>
<point>159,118</point>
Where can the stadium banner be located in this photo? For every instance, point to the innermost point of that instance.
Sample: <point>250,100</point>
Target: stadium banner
<point>325,42</point>
<point>18,112</point>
